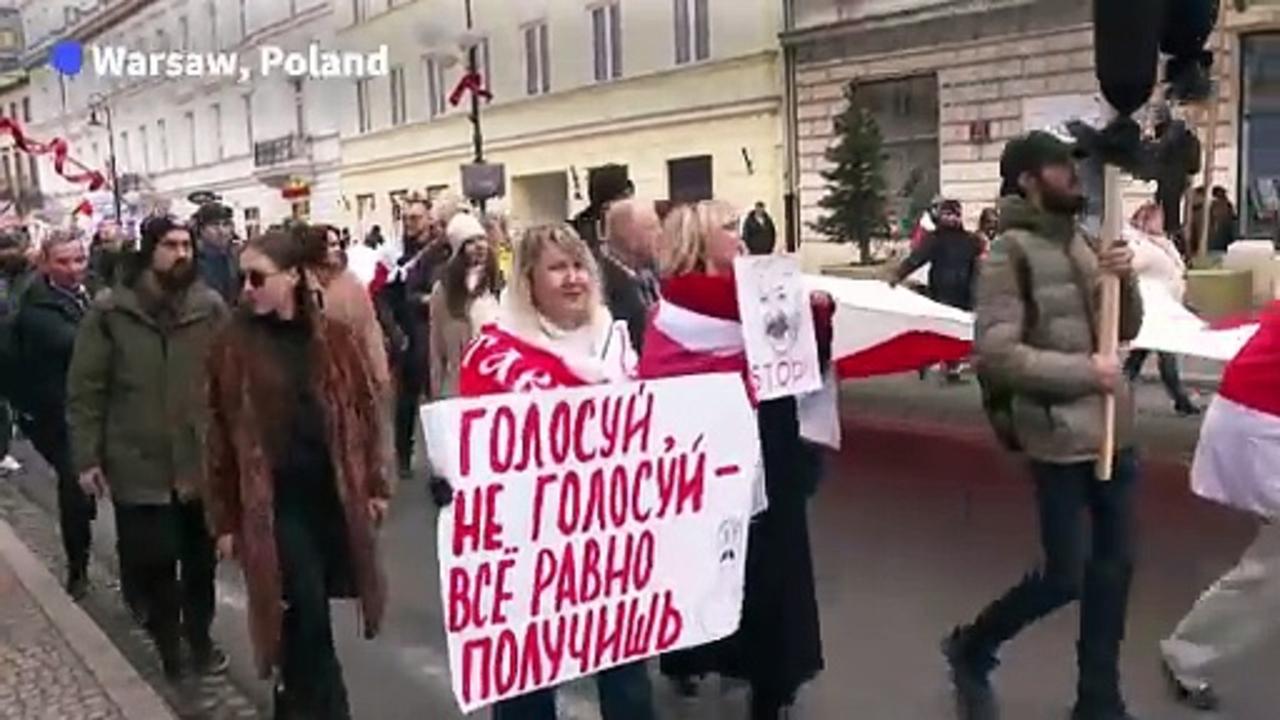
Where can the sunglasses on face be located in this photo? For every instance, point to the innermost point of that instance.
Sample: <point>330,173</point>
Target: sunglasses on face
<point>258,278</point>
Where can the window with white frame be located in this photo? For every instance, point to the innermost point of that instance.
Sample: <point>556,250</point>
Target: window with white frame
<point>299,107</point>
<point>244,19</point>
<point>398,99</point>
<point>162,137</point>
<point>537,59</point>
<point>212,10</point>
<point>247,101</point>
<point>433,70</point>
<point>482,60</point>
<point>189,121</point>
<point>184,34</point>
<point>126,159</point>
<point>364,111</point>
<point>693,30</point>
<point>145,146</point>
<point>360,10</point>
<point>215,117</point>
<point>606,41</point>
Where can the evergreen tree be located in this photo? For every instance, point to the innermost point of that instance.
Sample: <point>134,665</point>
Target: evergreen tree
<point>855,199</point>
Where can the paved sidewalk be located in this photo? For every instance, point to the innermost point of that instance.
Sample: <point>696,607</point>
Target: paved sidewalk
<point>54,661</point>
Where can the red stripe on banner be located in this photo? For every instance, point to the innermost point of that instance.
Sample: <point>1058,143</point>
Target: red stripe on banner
<point>911,350</point>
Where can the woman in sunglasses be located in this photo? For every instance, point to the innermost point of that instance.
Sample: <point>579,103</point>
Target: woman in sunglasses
<point>697,329</point>
<point>296,483</point>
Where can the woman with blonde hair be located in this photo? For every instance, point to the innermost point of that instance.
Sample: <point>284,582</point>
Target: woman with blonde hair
<point>554,331</point>
<point>697,329</point>
<point>1157,260</point>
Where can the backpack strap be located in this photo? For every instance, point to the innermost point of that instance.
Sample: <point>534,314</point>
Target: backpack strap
<point>1013,241</point>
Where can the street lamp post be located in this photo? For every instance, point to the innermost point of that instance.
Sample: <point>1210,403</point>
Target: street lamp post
<point>98,104</point>
<point>473,67</point>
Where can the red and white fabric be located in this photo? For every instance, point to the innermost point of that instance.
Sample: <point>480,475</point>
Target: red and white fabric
<point>1237,460</point>
<point>880,330</point>
<point>501,361</point>
<point>697,329</point>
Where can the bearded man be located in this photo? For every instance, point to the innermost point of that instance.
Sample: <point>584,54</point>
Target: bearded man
<point>136,408</point>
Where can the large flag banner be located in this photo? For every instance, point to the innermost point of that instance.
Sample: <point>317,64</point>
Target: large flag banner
<point>880,330</point>
<point>777,326</point>
<point>590,527</point>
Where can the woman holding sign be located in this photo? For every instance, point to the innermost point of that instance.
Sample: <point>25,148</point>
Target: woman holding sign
<point>697,329</point>
<point>554,331</point>
<point>296,487</point>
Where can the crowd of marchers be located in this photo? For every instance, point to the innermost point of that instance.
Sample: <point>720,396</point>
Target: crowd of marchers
<point>256,401</point>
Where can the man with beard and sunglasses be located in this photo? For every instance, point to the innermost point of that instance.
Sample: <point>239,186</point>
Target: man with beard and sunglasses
<point>137,413</point>
<point>1044,383</point>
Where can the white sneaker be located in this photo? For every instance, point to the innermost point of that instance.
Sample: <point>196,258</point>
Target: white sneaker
<point>9,465</point>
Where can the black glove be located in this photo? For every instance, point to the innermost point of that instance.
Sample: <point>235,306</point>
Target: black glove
<point>441,491</point>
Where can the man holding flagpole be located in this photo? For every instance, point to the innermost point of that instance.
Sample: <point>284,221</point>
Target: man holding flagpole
<point>1036,341</point>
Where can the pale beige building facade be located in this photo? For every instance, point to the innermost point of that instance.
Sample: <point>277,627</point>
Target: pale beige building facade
<point>685,93</point>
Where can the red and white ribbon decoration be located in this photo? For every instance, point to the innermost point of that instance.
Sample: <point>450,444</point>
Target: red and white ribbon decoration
<point>471,82</point>
<point>61,156</point>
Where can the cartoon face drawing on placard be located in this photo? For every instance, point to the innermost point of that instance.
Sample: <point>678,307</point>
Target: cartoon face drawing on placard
<point>780,306</point>
<point>716,613</point>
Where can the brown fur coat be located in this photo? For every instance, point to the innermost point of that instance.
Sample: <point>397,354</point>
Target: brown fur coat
<point>240,487</point>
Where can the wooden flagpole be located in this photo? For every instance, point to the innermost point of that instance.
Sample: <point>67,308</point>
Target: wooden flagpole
<point>1109,313</point>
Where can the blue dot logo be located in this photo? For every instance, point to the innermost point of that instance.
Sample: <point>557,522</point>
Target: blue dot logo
<point>67,57</point>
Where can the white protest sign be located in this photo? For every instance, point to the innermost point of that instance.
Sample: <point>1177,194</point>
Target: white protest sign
<point>590,527</point>
<point>777,325</point>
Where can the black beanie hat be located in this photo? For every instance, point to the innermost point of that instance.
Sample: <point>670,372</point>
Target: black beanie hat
<point>153,230</point>
<point>608,183</point>
<point>1030,153</point>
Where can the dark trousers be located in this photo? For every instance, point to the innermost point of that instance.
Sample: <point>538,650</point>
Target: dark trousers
<point>167,563</point>
<point>408,400</point>
<point>1168,365</point>
<point>6,428</point>
<point>311,676</point>
<point>1100,580</point>
<point>76,510</point>
<point>625,694</point>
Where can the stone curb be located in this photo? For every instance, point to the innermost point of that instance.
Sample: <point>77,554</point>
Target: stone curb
<point>121,683</point>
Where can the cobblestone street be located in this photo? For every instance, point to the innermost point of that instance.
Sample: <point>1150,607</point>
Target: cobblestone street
<point>55,663</point>
<point>40,675</point>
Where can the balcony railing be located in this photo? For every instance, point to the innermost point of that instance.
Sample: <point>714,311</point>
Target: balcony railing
<point>269,153</point>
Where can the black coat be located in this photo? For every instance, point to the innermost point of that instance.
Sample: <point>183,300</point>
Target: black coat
<point>46,335</point>
<point>760,236</point>
<point>625,298</point>
<point>402,310</point>
<point>952,255</point>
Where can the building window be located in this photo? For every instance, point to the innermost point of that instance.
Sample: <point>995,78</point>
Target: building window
<point>184,34</point>
<point>482,60</point>
<point>537,60</point>
<point>162,136</point>
<point>689,179</point>
<point>162,40</point>
<point>146,149</point>
<point>189,120</point>
<point>8,40</point>
<point>126,162</point>
<point>364,115</point>
<point>693,31</point>
<point>244,19</point>
<point>293,7</point>
<point>433,69</point>
<point>252,222</point>
<point>215,114</point>
<point>606,34</point>
<point>359,10</point>
<point>299,108</point>
<point>907,112</point>
<point>398,198</point>
<point>398,114</point>
<point>248,120</point>
<point>26,109</point>
<point>97,154</point>
<point>364,206</point>
<point>212,9</point>
<point>1260,135</point>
